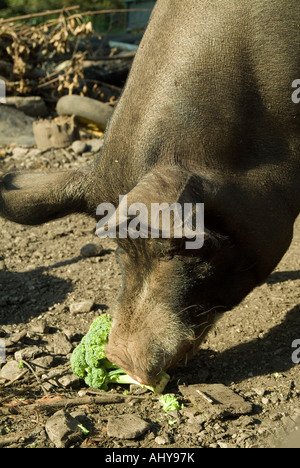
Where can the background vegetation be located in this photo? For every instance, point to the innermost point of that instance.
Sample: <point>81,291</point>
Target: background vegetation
<point>10,8</point>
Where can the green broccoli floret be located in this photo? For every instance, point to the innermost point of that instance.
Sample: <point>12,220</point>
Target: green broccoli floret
<point>78,362</point>
<point>89,362</point>
<point>170,402</point>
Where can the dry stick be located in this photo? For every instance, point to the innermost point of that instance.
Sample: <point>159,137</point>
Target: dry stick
<point>35,375</point>
<point>15,379</point>
<point>104,399</point>
<point>14,438</point>
<point>130,56</point>
<point>38,15</point>
<point>205,397</point>
<point>105,12</point>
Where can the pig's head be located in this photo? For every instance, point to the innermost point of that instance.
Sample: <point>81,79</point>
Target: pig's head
<point>171,295</point>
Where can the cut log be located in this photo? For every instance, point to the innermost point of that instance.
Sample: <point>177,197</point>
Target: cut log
<point>57,133</point>
<point>85,108</point>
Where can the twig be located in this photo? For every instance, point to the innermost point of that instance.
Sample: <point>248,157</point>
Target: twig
<point>105,12</point>
<point>38,15</point>
<point>98,399</point>
<point>35,375</point>
<point>14,438</point>
<point>205,397</point>
<point>65,402</point>
<point>129,56</point>
<point>17,378</point>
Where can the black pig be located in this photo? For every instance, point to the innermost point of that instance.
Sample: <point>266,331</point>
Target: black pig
<point>206,116</point>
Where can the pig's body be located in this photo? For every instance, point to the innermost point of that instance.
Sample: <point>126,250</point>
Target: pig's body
<point>207,117</point>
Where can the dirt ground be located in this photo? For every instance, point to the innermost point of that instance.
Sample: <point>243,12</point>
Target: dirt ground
<point>42,273</point>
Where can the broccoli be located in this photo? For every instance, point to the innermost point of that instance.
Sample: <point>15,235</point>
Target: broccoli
<point>89,362</point>
<point>170,402</point>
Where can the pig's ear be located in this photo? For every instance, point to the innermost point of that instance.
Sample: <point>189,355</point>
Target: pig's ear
<point>162,185</point>
<point>169,188</point>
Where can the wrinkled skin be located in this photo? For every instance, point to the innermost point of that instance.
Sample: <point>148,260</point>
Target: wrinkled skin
<point>206,116</point>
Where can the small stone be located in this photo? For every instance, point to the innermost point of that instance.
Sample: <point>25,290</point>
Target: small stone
<point>162,440</point>
<point>31,105</point>
<point>43,363</point>
<point>127,426</point>
<point>33,153</point>
<point>91,250</point>
<point>19,152</point>
<point>11,371</point>
<point>95,145</point>
<point>62,429</point>
<point>61,344</point>
<point>81,307</point>
<point>27,354</point>
<point>260,391</point>
<point>40,326</point>
<point>69,381</point>
<point>79,146</point>
<point>216,401</point>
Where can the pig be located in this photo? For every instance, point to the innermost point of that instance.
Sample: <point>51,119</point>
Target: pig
<point>206,116</point>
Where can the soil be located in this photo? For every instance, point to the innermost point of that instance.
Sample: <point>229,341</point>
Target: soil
<point>42,273</point>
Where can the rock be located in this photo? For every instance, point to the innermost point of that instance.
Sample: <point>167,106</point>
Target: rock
<point>69,381</point>
<point>42,363</point>
<point>33,106</point>
<point>91,250</point>
<point>15,127</point>
<point>16,337</point>
<point>162,440</point>
<point>81,307</point>
<point>27,353</point>
<point>126,426</point>
<point>62,429</point>
<point>95,145</point>
<point>19,152</point>
<point>11,371</point>
<point>61,344</point>
<point>79,146</point>
<point>40,326</point>
<point>33,153</point>
<point>215,400</point>
<point>260,391</point>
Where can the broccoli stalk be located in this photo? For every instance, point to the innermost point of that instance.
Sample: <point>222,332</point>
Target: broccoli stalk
<point>89,362</point>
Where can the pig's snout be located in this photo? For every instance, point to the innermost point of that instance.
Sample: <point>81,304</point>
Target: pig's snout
<point>143,358</point>
<point>135,366</point>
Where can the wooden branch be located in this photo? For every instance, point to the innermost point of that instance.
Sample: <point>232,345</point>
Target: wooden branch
<point>105,12</point>
<point>38,15</point>
<point>68,402</point>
